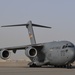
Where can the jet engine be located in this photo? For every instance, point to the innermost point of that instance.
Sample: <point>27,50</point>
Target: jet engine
<point>4,54</point>
<point>31,52</point>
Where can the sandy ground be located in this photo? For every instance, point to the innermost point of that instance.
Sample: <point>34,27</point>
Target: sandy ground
<point>14,63</point>
<point>21,68</point>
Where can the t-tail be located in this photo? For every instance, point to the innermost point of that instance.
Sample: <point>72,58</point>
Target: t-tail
<point>29,26</point>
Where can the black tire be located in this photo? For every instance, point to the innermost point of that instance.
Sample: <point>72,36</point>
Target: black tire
<point>34,65</point>
<point>69,66</point>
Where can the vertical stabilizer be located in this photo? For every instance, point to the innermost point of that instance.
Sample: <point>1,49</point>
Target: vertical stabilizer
<point>31,32</point>
<point>29,26</point>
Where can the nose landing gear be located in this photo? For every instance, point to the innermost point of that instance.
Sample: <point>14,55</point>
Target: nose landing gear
<point>69,66</point>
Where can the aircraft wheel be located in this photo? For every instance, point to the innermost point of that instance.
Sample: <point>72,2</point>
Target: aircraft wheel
<point>64,66</point>
<point>55,66</point>
<point>34,65</point>
<point>69,66</point>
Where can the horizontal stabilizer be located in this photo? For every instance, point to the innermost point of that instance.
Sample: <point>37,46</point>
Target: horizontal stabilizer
<point>15,25</point>
<point>36,25</point>
<point>29,26</point>
<point>40,26</point>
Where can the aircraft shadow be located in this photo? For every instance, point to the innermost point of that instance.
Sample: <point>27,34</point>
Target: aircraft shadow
<point>73,67</point>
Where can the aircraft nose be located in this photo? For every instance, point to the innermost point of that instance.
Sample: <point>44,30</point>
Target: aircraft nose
<point>72,53</point>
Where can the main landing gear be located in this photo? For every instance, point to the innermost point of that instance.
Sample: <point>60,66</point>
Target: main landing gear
<point>33,65</point>
<point>68,66</point>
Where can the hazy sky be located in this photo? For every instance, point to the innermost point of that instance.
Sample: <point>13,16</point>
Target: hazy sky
<point>59,14</point>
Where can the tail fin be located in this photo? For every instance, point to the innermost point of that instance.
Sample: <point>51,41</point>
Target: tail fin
<point>29,26</point>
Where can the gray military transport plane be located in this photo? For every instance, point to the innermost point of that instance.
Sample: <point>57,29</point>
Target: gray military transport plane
<point>57,54</point>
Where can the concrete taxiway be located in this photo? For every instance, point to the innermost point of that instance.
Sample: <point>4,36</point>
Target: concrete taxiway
<point>36,71</point>
<point>25,70</point>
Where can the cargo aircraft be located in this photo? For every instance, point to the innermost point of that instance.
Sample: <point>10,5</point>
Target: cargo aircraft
<point>56,53</point>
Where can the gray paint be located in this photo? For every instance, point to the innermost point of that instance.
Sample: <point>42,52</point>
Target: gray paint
<point>31,33</point>
<point>53,53</point>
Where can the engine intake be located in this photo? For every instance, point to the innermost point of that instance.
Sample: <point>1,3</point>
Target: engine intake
<point>31,52</point>
<point>4,54</point>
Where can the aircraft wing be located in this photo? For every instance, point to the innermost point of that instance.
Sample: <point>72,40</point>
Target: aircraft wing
<point>15,48</point>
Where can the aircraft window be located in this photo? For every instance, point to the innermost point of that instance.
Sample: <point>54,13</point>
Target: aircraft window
<point>64,47</point>
<point>71,46</point>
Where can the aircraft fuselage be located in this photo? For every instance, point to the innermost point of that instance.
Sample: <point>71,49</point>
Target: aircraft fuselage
<point>55,53</point>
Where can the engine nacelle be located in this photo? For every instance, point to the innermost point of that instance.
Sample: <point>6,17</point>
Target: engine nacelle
<point>31,52</point>
<point>4,54</point>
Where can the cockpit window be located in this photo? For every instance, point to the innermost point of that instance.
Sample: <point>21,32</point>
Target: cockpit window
<point>71,46</point>
<point>68,46</point>
<point>64,47</point>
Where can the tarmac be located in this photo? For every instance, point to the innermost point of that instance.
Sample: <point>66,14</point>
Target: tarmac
<point>21,68</point>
